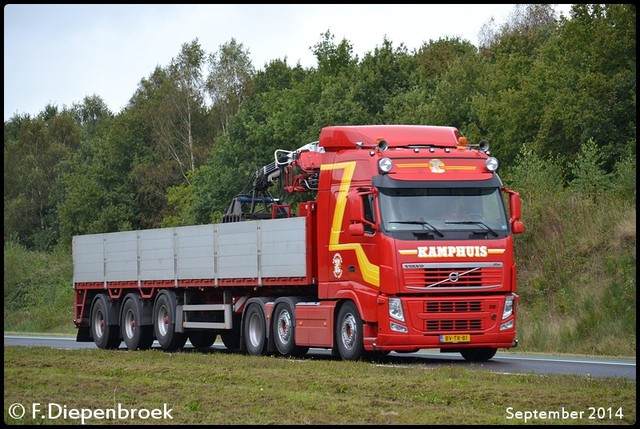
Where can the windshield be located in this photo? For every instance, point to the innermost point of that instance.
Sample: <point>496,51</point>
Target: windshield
<point>443,212</point>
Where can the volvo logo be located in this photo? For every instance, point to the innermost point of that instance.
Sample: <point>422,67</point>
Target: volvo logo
<point>454,276</point>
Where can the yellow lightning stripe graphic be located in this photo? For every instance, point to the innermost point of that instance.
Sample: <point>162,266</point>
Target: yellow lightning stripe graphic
<point>370,272</point>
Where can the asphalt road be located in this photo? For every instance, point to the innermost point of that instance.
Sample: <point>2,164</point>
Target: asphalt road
<point>503,362</point>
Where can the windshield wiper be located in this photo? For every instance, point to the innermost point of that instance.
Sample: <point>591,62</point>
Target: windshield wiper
<point>473,222</point>
<point>419,222</point>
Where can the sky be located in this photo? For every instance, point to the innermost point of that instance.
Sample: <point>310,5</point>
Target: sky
<point>60,53</point>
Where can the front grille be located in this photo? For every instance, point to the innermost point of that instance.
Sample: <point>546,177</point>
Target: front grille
<point>453,325</point>
<point>452,276</point>
<point>452,306</point>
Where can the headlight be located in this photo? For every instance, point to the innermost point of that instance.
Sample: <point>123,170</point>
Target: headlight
<point>491,163</point>
<point>385,165</point>
<point>508,307</point>
<point>395,309</point>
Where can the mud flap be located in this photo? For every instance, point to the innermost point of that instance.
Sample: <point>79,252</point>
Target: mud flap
<point>84,335</point>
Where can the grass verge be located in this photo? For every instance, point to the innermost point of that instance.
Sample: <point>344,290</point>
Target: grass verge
<point>228,388</point>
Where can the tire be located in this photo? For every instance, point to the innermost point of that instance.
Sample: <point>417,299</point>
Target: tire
<point>231,337</point>
<point>135,335</point>
<point>255,331</point>
<point>164,322</point>
<point>348,332</point>
<point>283,331</point>
<point>105,336</point>
<point>202,340</point>
<point>481,354</point>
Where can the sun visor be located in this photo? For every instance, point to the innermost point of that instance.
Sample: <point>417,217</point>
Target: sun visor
<point>386,181</point>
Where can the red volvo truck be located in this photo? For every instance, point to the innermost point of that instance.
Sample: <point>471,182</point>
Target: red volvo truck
<point>406,243</point>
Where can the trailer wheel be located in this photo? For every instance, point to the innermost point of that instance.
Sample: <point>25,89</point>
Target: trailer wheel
<point>164,322</point>
<point>231,337</point>
<point>135,335</point>
<point>104,335</point>
<point>480,354</point>
<point>202,340</point>
<point>348,334</point>
<point>255,330</point>
<point>284,325</point>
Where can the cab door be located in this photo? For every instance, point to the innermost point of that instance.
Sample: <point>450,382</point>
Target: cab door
<point>362,236</point>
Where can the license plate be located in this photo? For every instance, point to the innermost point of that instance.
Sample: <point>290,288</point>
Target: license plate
<point>455,338</point>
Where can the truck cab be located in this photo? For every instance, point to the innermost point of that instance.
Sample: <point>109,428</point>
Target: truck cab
<point>419,239</point>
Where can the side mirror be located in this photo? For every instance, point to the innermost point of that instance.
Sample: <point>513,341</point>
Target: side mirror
<point>514,203</point>
<point>517,227</point>
<point>356,229</point>
<point>356,208</point>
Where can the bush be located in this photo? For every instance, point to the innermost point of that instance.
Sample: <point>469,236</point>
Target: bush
<point>38,294</point>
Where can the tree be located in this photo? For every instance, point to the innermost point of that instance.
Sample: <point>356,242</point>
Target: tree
<point>589,177</point>
<point>33,160</point>
<point>333,59</point>
<point>382,74</point>
<point>172,101</point>
<point>91,111</point>
<point>184,97</point>
<point>510,106</point>
<point>587,76</point>
<point>229,80</point>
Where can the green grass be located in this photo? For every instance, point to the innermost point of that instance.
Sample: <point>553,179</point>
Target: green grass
<point>230,388</point>
<point>577,278</point>
<point>38,293</point>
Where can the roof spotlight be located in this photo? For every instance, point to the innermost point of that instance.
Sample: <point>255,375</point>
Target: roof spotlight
<point>385,165</point>
<point>492,164</point>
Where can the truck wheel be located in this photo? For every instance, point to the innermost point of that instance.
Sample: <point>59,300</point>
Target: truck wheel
<point>104,335</point>
<point>255,331</point>
<point>202,340</point>
<point>164,322</point>
<point>135,335</point>
<point>283,330</point>
<point>478,355</point>
<point>348,334</point>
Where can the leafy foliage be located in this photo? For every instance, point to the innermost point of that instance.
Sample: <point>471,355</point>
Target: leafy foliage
<point>589,176</point>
